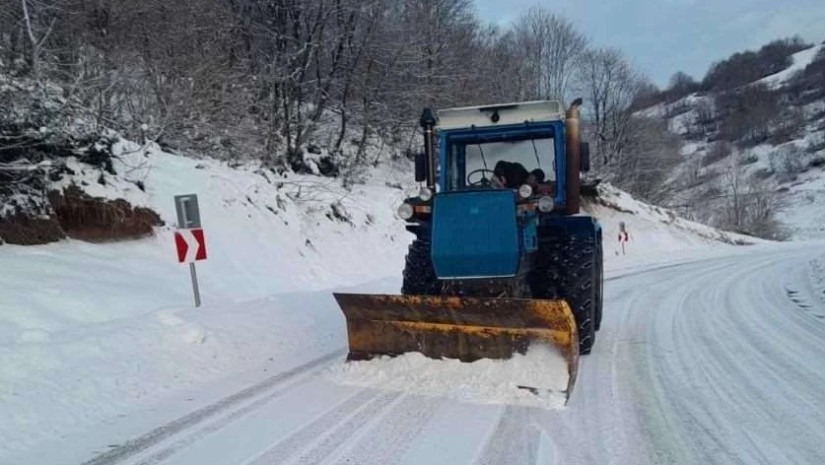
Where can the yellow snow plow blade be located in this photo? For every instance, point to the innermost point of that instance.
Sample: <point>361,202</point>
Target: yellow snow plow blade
<point>462,328</point>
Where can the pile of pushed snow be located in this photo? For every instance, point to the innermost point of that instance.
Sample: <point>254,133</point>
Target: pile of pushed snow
<point>483,381</point>
<point>651,229</point>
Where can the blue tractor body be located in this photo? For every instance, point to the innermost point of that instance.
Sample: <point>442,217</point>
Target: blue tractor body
<point>480,232</point>
<point>476,234</point>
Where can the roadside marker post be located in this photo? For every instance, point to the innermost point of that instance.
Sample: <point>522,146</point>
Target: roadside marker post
<point>190,242</point>
<point>624,237</point>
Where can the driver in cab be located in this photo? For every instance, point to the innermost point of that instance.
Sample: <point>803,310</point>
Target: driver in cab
<point>509,175</point>
<point>512,175</point>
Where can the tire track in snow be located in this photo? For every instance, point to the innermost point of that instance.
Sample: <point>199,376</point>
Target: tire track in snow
<point>134,446</point>
<point>803,304</point>
<point>201,433</point>
<point>515,440</point>
<point>390,437</point>
<point>325,434</point>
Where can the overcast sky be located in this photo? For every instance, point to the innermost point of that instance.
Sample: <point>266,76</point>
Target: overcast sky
<point>664,36</point>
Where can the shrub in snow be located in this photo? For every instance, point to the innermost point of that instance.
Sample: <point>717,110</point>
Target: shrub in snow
<point>788,162</point>
<point>816,144</point>
<point>717,152</point>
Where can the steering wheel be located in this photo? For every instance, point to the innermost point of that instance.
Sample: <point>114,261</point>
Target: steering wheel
<point>483,181</point>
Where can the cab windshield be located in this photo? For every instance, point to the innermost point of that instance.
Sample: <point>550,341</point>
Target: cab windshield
<point>472,164</point>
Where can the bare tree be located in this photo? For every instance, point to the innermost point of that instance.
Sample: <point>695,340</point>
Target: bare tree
<point>650,156</point>
<point>702,122</point>
<point>748,114</point>
<point>269,79</point>
<point>611,86</point>
<point>681,84</point>
<point>749,206</point>
<point>38,18</point>
<point>552,48</point>
<point>763,207</point>
<point>504,72</point>
<point>734,182</point>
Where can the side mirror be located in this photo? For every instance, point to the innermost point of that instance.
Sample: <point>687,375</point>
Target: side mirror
<point>584,153</point>
<point>420,167</point>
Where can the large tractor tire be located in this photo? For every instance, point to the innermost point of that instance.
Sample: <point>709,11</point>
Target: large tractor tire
<point>580,289</point>
<point>419,274</point>
<point>564,269</point>
<point>599,285</point>
<point>545,278</point>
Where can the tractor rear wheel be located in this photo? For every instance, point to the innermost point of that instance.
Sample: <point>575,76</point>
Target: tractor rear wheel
<point>419,274</point>
<point>580,290</point>
<point>599,285</point>
<point>563,269</point>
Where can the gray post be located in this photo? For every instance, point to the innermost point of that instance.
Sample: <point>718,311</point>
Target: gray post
<point>195,288</point>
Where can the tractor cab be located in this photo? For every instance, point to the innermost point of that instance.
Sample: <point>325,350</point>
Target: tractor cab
<point>524,147</point>
<point>492,173</point>
<point>502,148</point>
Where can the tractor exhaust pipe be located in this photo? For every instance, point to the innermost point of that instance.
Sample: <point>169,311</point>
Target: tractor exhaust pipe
<point>427,122</point>
<point>573,162</point>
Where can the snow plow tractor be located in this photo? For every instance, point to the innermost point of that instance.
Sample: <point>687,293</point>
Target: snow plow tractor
<point>502,259</point>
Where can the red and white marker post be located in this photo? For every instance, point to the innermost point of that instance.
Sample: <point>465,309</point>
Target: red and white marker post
<point>624,237</point>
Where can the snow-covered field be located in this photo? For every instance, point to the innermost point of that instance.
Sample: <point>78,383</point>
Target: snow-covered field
<point>100,344</point>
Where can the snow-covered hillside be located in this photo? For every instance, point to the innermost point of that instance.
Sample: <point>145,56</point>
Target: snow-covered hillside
<point>90,332</point>
<point>800,60</point>
<point>778,176</point>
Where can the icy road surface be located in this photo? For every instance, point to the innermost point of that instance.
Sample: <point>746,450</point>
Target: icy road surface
<point>718,360</point>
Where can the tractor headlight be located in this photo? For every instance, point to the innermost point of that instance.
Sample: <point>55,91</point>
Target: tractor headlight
<point>525,191</point>
<point>425,194</point>
<point>546,204</point>
<point>405,211</point>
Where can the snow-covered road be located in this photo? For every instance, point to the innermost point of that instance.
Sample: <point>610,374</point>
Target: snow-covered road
<point>720,360</point>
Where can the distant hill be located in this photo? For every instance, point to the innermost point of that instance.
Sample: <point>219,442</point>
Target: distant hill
<point>753,128</point>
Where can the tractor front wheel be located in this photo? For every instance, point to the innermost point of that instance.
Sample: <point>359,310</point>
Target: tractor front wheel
<point>419,274</point>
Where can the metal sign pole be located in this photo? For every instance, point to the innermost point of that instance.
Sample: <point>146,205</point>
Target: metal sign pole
<point>195,288</point>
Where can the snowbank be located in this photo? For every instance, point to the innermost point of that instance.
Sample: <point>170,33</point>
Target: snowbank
<point>652,230</point>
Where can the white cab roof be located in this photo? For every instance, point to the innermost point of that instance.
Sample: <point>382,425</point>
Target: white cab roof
<point>508,113</point>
